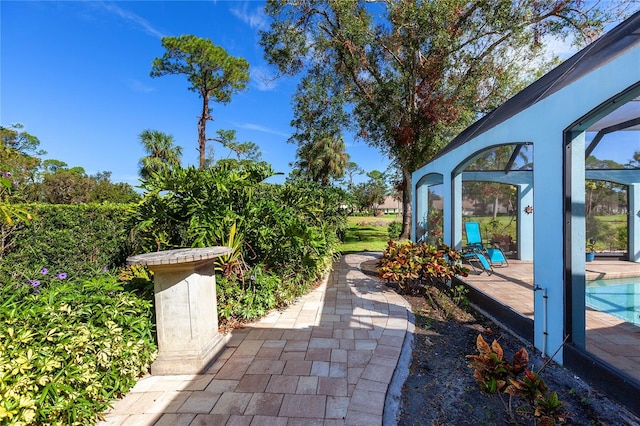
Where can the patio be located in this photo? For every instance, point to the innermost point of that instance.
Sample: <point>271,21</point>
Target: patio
<point>608,337</point>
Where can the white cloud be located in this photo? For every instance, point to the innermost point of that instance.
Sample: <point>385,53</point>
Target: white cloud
<point>259,128</point>
<point>131,17</point>
<point>138,86</point>
<point>255,18</point>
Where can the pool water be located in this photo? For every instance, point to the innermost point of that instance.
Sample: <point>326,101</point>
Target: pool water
<point>619,297</point>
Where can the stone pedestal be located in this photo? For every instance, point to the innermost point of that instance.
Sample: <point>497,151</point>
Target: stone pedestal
<point>186,312</point>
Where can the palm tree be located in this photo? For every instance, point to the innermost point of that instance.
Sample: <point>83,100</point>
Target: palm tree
<point>323,160</point>
<point>162,154</point>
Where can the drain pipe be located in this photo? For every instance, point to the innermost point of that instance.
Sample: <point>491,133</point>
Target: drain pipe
<point>544,318</point>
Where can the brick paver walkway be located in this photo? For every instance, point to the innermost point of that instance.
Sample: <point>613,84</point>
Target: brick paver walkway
<point>328,359</point>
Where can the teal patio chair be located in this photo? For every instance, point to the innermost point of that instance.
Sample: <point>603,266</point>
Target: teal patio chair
<point>493,253</point>
<point>478,260</point>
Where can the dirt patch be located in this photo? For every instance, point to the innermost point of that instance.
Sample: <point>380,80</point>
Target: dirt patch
<point>374,223</point>
<point>441,390</point>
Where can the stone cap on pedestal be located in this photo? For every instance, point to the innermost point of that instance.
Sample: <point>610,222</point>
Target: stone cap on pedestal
<point>178,256</point>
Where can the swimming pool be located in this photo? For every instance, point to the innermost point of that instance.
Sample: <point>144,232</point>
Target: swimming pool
<point>619,297</point>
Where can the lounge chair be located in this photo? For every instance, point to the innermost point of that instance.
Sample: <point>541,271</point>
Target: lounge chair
<point>493,253</point>
<point>478,260</point>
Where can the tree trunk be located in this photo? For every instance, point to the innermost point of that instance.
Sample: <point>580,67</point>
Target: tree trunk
<point>406,204</point>
<point>202,131</point>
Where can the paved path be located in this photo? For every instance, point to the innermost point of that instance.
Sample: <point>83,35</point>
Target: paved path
<point>328,359</point>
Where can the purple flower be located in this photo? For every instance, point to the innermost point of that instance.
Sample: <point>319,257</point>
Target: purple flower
<point>34,283</point>
<point>61,275</point>
<point>252,277</point>
<point>8,174</point>
<point>105,269</point>
<point>44,271</point>
<point>36,291</point>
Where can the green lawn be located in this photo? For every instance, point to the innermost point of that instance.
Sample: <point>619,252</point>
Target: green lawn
<point>367,233</point>
<point>619,218</point>
<point>607,239</point>
<point>353,220</point>
<point>364,235</point>
<point>488,225</point>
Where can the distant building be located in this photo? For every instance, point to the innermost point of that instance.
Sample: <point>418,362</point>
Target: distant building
<point>391,205</point>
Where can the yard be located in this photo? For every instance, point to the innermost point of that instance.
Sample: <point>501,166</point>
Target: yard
<point>367,233</point>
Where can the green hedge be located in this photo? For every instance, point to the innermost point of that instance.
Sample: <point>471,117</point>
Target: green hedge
<point>79,240</point>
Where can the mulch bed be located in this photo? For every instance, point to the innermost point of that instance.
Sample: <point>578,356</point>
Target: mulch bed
<point>441,390</point>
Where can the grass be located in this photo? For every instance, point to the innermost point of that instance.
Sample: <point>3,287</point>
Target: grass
<point>606,241</point>
<point>488,225</point>
<point>364,235</point>
<point>619,218</point>
<point>354,220</point>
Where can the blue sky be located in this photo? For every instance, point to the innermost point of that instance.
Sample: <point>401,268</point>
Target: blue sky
<point>76,74</point>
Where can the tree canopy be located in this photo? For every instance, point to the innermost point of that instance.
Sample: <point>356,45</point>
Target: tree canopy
<point>211,71</point>
<point>407,76</point>
<point>227,138</point>
<point>162,153</point>
<point>24,177</point>
<point>322,160</point>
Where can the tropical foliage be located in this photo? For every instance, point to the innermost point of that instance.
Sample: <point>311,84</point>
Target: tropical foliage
<point>72,338</point>
<point>321,160</point>
<point>162,153</point>
<point>495,375</point>
<point>415,266</point>
<point>98,336</point>
<point>69,346</point>
<point>284,236</point>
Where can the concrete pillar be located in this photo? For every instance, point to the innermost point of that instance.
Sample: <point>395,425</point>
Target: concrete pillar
<point>525,222</point>
<point>422,210</point>
<point>186,312</point>
<point>447,209</point>
<point>633,233</point>
<point>548,220</point>
<point>456,218</point>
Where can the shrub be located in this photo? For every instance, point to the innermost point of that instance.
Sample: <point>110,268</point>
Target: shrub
<point>289,231</point>
<point>293,229</point>
<point>395,229</point>
<point>413,266</point>
<point>77,239</point>
<point>68,347</point>
<point>247,297</point>
<point>495,375</point>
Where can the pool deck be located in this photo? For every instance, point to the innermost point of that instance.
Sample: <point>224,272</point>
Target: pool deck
<point>608,337</point>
